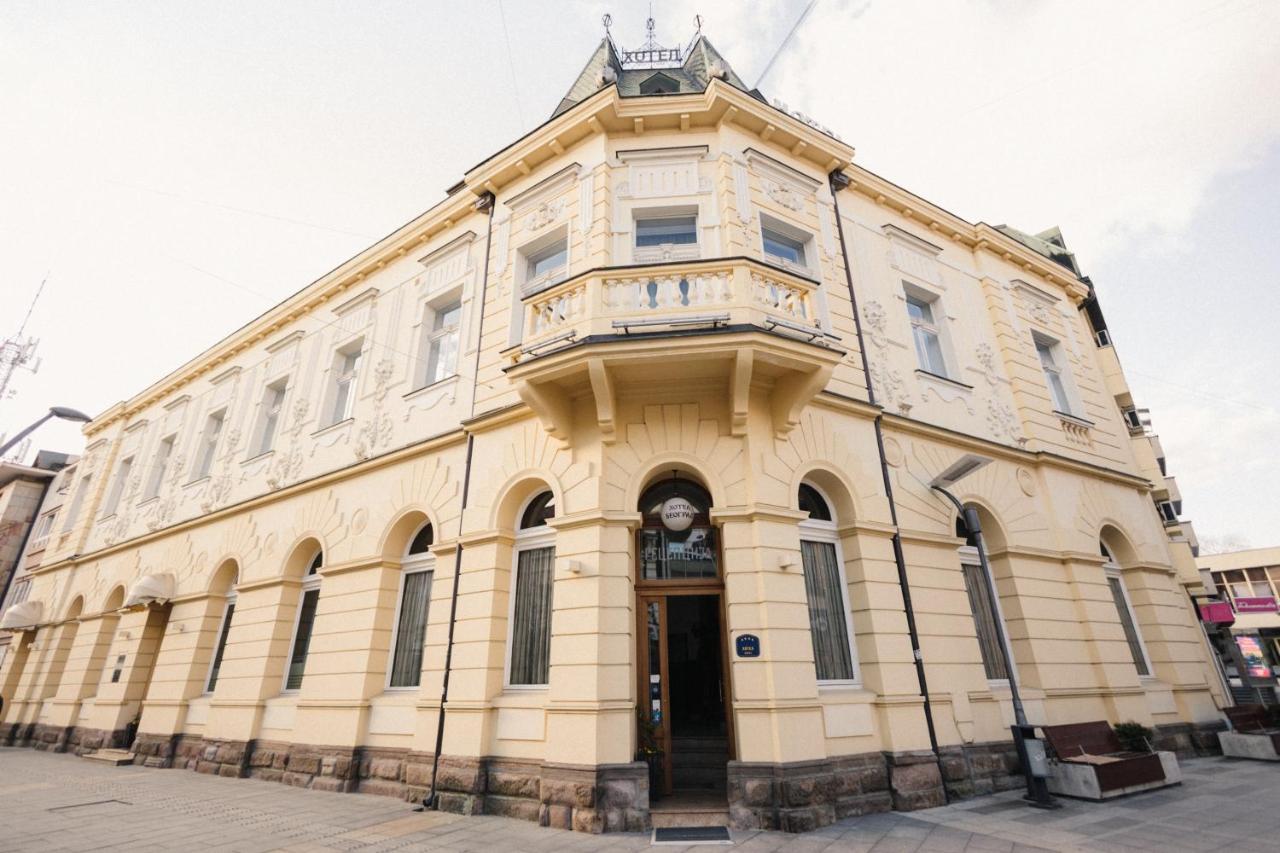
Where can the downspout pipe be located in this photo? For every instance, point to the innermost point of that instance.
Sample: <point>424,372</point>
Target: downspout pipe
<point>839,182</point>
<point>432,798</point>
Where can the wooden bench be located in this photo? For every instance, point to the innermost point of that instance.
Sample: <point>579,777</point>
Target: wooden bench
<point>1089,762</point>
<point>1252,735</point>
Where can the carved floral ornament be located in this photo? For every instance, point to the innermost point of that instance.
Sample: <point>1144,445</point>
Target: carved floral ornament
<point>783,195</point>
<point>544,214</point>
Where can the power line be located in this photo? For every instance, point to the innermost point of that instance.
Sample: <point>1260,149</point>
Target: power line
<point>781,47</point>
<point>511,64</point>
<point>244,210</point>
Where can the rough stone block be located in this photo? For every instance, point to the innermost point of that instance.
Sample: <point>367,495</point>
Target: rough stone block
<point>568,793</point>
<point>555,816</point>
<point>417,775</point>
<point>588,820</point>
<point>384,768</point>
<point>206,767</point>
<point>298,780</point>
<point>309,764</point>
<point>516,807</point>
<point>510,783</point>
<point>231,771</point>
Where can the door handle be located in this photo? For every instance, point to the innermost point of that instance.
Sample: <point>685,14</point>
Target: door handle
<point>720,689</point>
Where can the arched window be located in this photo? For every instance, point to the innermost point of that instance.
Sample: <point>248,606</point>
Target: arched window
<point>223,630</point>
<point>667,554</point>
<point>1124,609</point>
<point>538,510</point>
<point>306,623</point>
<point>416,572</point>
<point>826,589</point>
<point>529,645</point>
<point>985,617</point>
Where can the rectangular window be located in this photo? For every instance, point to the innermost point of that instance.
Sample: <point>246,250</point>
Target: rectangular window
<point>76,502</point>
<point>531,618</point>
<point>223,630</point>
<point>782,246</point>
<point>208,448</point>
<point>269,418</point>
<point>984,620</point>
<point>442,342</point>
<point>43,527</point>
<point>828,618</point>
<point>411,629</point>
<point>346,367</point>
<point>924,331</point>
<point>159,467</point>
<point>118,670</point>
<point>667,231</point>
<point>302,638</point>
<point>550,262</point>
<point>1128,623</point>
<point>118,485</point>
<point>1049,362</point>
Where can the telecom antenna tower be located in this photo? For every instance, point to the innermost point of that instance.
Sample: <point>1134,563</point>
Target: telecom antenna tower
<point>18,352</point>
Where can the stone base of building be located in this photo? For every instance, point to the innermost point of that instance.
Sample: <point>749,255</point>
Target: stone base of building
<point>1190,740</point>
<point>975,770</point>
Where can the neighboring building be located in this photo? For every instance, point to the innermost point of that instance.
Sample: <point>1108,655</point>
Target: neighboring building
<point>1250,647</point>
<point>27,503</point>
<point>596,442</point>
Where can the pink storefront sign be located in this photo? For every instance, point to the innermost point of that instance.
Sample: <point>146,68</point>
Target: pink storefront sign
<point>1265,604</point>
<point>1217,613</point>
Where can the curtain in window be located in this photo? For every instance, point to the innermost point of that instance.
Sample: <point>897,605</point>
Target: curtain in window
<point>975,581</point>
<point>531,626</point>
<point>1126,621</point>
<point>827,623</point>
<point>406,666</point>
<point>301,640</point>
<point>222,645</point>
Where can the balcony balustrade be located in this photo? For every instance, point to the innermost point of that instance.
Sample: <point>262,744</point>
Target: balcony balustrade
<point>735,293</point>
<point>733,323</point>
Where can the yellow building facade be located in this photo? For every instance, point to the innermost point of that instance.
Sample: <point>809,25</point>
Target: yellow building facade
<point>628,442</point>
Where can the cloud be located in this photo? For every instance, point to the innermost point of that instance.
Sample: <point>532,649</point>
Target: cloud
<point>1105,118</point>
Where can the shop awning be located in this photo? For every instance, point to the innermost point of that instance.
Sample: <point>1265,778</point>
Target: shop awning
<point>22,617</point>
<point>150,588</point>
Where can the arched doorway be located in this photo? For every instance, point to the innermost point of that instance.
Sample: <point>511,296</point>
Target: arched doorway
<point>683,667</point>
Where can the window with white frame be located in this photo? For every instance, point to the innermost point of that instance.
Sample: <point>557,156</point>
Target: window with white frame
<point>925,333</point>
<point>164,453</point>
<point>118,486</point>
<point>1050,353</point>
<point>305,624</point>
<point>223,630</point>
<point>546,261</point>
<point>665,235</point>
<point>43,527</point>
<point>529,641</point>
<point>985,618</point>
<point>826,590</point>
<point>346,368</point>
<point>444,322</point>
<point>1124,609</point>
<point>270,414</point>
<point>207,451</point>
<point>785,244</point>
<point>410,632</point>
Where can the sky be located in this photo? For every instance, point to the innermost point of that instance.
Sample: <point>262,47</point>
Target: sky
<point>174,169</point>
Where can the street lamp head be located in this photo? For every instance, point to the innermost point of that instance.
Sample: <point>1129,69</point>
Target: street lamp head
<point>69,414</point>
<point>958,470</point>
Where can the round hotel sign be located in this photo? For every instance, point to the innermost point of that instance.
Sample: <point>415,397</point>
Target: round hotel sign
<point>677,514</point>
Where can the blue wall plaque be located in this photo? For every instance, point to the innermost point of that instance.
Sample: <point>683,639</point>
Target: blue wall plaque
<point>748,646</point>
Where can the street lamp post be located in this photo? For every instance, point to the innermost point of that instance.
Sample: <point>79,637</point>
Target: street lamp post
<point>54,412</point>
<point>1031,752</point>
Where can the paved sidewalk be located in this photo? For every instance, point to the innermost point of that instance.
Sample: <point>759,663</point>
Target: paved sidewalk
<point>62,803</point>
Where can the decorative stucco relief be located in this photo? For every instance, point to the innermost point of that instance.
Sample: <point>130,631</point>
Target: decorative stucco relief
<point>286,465</point>
<point>1003,423</point>
<point>376,432</point>
<point>676,429</point>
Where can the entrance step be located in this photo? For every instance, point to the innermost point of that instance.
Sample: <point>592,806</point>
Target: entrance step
<point>690,808</point>
<point>114,757</point>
